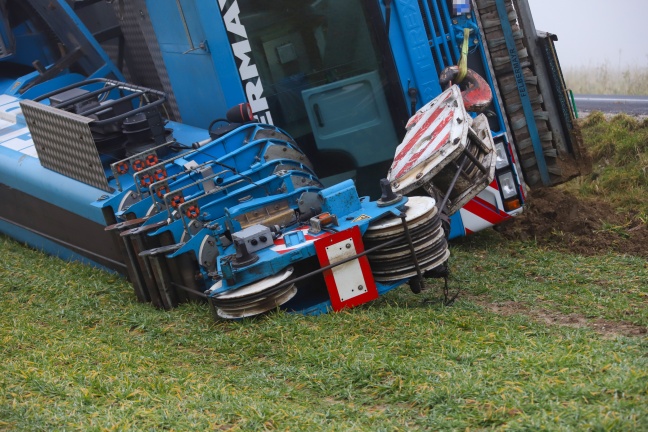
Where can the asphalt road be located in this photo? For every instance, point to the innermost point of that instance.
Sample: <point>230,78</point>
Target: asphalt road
<point>633,105</point>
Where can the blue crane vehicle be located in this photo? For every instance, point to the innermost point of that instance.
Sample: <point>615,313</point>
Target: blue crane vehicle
<point>309,155</point>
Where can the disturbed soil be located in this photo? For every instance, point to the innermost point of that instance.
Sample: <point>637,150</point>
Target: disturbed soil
<point>600,326</point>
<point>556,218</point>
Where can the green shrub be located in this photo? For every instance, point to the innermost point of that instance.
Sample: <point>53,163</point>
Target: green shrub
<point>619,148</point>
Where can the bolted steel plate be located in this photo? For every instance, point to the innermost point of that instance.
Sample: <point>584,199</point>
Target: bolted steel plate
<point>435,136</point>
<point>64,143</point>
<point>417,206</point>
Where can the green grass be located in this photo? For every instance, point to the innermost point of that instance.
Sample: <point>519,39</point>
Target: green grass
<point>78,353</point>
<point>619,147</point>
<point>608,287</point>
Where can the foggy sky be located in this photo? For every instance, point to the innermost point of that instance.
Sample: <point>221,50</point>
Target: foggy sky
<point>592,32</point>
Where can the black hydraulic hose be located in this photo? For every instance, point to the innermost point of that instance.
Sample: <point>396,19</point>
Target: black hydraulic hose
<point>86,96</point>
<point>408,237</point>
<point>112,103</point>
<point>189,290</point>
<point>137,91</point>
<point>122,85</point>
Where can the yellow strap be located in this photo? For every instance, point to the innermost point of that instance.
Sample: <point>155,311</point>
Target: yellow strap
<point>463,61</point>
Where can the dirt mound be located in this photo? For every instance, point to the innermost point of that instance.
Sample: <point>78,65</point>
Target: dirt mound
<point>557,218</point>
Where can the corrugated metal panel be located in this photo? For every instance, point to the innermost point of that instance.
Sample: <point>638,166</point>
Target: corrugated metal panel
<point>143,57</point>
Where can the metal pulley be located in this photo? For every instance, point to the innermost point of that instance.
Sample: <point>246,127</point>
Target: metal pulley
<point>256,298</point>
<point>429,248</point>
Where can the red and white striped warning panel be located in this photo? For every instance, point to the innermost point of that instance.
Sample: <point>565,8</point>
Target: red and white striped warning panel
<point>484,210</point>
<point>434,133</point>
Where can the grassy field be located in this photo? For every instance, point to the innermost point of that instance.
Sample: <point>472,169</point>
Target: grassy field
<point>606,79</point>
<point>538,339</point>
<point>79,353</point>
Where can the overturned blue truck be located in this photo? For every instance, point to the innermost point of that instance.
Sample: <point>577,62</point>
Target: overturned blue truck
<point>304,155</point>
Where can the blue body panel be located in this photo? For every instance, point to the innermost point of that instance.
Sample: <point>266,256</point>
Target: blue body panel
<point>29,46</point>
<point>411,50</point>
<point>20,169</point>
<point>211,69</point>
<point>44,244</point>
<point>456,226</point>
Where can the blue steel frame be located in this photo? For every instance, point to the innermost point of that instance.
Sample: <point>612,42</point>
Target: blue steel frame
<point>213,69</point>
<point>415,64</point>
<point>108,67</point>
<point>25,173</point>
<point>422,59</point>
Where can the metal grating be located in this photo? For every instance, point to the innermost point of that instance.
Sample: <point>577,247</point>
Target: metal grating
<point>64,143</point>
<point>438,24</point>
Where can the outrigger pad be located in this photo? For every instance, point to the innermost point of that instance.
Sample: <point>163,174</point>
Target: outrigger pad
<point>445,151</point>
